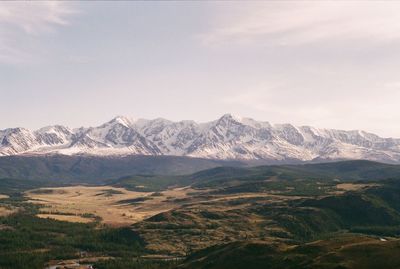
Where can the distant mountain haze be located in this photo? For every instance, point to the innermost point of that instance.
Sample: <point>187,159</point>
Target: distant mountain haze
<point>227,138</point>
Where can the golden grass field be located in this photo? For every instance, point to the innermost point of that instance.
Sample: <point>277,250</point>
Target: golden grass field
<point>115,206</point>
<point>78,203</point>
<point>5,211</point>
<point>354,186</point>
<point>70,218</point>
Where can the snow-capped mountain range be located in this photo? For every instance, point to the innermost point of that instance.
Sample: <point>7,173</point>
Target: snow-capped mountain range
<point>226,138</point>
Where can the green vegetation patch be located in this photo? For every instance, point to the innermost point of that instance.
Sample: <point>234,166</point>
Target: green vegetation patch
<point>42,240</point>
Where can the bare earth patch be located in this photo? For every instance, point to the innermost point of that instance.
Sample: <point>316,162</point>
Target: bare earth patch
<point>3,196</point>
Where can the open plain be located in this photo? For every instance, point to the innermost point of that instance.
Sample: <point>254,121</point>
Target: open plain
<point>112,206</point>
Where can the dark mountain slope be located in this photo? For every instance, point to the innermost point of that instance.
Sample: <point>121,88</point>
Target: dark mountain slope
<point>344,252</point>
<point>239,178</point>
<point>91,169</point>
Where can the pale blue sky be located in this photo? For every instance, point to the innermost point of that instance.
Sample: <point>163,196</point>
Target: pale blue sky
<point>326,64</point>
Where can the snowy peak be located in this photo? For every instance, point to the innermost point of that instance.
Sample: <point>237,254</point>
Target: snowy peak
<point>229,118</point>
<point>15,140</point>
<point>228,137</point>
<point>122,120</point>
<point>54,135</point>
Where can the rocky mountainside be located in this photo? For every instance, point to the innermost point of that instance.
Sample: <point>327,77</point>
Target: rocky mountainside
<point>226,138</point>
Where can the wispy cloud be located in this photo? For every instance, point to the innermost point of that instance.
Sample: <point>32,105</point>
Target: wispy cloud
<point>24,21</point>
<point>297,23</point>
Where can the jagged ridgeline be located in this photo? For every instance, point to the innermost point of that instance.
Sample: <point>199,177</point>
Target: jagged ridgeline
<point>228,137</point>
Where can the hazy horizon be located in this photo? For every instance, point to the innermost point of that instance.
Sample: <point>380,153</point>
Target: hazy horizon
<point>323,64</point>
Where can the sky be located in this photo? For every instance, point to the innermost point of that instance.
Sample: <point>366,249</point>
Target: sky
<point>328,64</point>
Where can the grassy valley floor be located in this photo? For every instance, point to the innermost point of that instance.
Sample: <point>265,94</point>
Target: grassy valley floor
<point>219,218</point>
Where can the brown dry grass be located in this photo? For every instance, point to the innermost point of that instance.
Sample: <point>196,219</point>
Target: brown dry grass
<point>70,218</point>
<point>80,200</point>
<point>4,211</point>
<point>353,186</point>
<point>3,196</point>
<point>115,206</point>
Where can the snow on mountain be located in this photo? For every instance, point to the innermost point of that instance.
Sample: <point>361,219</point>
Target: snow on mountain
<point>16,140</point>
<point>53,135</point>
<point>228,137</point>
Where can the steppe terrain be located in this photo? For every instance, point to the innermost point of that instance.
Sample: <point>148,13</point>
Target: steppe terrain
<point>112,206</point>
<point>206,219</point>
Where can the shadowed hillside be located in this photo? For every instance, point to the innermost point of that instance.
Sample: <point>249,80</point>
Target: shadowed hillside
<point>91,169</point>
<point>344,252</point>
